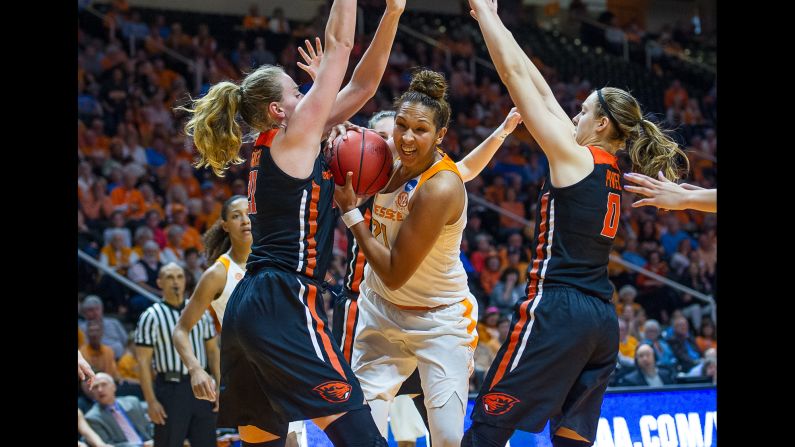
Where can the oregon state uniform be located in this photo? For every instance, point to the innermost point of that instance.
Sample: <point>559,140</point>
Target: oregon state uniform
<point>279,362</point>
<point>428,323</point>
<point>563,341</point>
<point>217,307</point>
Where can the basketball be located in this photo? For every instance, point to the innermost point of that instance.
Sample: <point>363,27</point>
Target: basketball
<point>365,154</point>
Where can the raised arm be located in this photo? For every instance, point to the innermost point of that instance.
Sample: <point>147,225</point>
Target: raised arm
<point>211,284</point>
<point>555,136</point>
<point>368,72</point>
<point>296,148</point>
<point>370,69</point>
<point>479,157</point>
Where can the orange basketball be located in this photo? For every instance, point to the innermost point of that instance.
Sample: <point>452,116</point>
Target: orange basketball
<point>365,154</point>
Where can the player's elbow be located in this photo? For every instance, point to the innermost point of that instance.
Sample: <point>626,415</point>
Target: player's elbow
<point>336,43</point>
<point>395,281</point>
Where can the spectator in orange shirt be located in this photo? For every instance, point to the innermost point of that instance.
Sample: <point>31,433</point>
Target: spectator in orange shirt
<point>496,192</point>
<point>491,272</point>
<point>190,237</point>
<point>186,178</point>
<point>127,197</point>
<point>165,76</point>
<point>254,21</point>
<point>151,202</point>
<point>514,206</point>
<point>97,354</point>
<point>117,254</point>
<point>675,93</point>
<point>210,212</point>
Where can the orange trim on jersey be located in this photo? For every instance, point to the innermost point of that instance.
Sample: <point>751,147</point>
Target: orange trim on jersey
<point>531,294</point>
<point>225,261</point>
<point>350,328</point>
<point>602,157</point>
<point>417,307</point>
<point>311,243</point>
<point>266,138</point>
<point>358,268</point>
<point>216,320</point>
<point>472,323</point>
<point>327,346</point>
<point>445,164</point>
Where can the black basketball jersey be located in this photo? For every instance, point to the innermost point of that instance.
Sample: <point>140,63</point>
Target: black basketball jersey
<point>575,228</point>
<point>292,222</point>
<point>354,268</point>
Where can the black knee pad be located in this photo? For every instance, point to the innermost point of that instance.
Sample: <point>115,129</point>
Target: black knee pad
<point>355,429</point>
<point>560,441</point>
<point>485,435</point>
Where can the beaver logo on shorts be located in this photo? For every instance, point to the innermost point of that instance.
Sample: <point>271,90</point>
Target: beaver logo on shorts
<point>496,404</point>
<point>334,391</point>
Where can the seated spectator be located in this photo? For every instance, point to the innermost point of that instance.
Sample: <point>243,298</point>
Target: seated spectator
<point>662,351</point>
<point>626,297</point>
<point>627,344</point>
<point>173,251</point>
<point>254,21</point>
<point>707,338</point>
<point>118,222</point>
<point>278,24</point>
<point>190,237</point>
<point>491,272</point>
<point>98,355</point>
<point>683,346</point>
<point>648,374</point>
<point>193,268</point>
<point>153,219</point>
<point>508,291</point>
<point>144,273</point>
<point>121,421</point>
<point>88,434</point>
<point>126,197</point>
<point>708,367</point>
<point>113,332</point>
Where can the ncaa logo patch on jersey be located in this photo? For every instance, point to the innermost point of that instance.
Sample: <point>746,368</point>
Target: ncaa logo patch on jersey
<point>334,391</point>
<point>410,185</point>
<point>238,276</point>
<point>496,404</point>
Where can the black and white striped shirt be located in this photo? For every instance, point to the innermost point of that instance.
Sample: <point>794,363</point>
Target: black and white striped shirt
<point>155,327</point>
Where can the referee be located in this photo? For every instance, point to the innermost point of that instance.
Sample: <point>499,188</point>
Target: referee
<point>177,414</point>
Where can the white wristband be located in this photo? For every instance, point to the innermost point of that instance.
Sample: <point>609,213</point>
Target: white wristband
<point>352,217</point>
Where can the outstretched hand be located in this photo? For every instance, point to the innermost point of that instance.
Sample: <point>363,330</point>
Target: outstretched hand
<point>661,193</point>
<point>480,5</point>
<point>512,120</point>
<point>312,57</point>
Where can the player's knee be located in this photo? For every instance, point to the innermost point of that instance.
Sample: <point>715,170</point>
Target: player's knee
<point>355,428</point>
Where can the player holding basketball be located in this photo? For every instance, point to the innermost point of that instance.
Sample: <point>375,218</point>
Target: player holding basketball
<point>416,310</point>
<point>563,342</point>
<point>346,314</point>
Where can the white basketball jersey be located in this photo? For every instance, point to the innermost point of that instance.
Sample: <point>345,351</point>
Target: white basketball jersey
<point>233,276</point>
<point>440,279</point>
